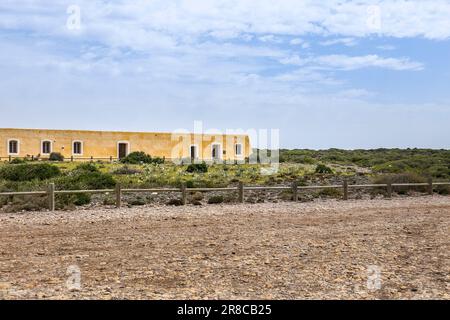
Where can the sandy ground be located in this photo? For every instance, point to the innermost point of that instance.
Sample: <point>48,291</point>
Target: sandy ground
<point>359,249</point>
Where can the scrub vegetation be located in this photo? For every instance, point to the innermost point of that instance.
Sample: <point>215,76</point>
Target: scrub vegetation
<point>140,170</point>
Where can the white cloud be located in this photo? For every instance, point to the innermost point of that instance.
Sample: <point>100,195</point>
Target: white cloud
<point>296,41</point>
<point>386,47</point>
<point>349,42</point>
<point>229,18</point>
<point>270,38</point>
<point>344,62</point>
<point>196,57</point>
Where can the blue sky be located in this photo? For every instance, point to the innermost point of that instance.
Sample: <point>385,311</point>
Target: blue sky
<point>344,74</point>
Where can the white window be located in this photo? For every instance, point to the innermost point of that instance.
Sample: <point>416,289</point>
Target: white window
<point>46,147</point>
<point>13,147</point>
<point>193,152</point>
<point>238,149</point>
<point>77,148</point>
<point>216,151</point>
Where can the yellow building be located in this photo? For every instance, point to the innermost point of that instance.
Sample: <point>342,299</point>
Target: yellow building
<point>83,145</point>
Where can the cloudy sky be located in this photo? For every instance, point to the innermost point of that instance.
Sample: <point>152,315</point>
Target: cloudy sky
<point>345,74</point>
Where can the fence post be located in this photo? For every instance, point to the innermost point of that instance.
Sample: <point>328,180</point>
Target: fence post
<point>51,196</point>
<point>295,191</point>
<point>430,186</point>
<point>389,189</point>
<point>345,186</point>
<point>241,192</point>
<point>71,159</point>
<point>183,193</point>
<point>118,192</point>
<point>110,159</point>
<point>92,158</point>
<point>9,158</point>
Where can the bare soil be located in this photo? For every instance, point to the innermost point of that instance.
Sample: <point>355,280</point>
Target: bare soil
<point>327,250</point>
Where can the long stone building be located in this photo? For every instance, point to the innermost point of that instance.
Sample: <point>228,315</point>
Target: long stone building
<point>79,144</point>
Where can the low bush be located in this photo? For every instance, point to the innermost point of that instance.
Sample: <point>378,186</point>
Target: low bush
<point>29,172</point>
<point>401,178</point>
<point>329,193</point>
<point>137,157</point>
<point>174,202</point>
<point>158,160</point>
<point>125,170</point>
<point>25,203</point>
<point>17,161</point>
<point>323,169</point>
<point>137,202</point>
<point>215,199</point>
<point>286,195</point>
<point>56,156</point>
<point>197,168</point>
<point>87,167</point>
<point>198,196</point>
<point>443,190</point>
<point>85,177</point>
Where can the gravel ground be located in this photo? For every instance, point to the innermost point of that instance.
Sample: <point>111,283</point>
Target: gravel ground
<point>326,250</point>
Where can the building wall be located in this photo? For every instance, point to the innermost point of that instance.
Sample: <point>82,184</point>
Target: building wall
<point>102,144</point>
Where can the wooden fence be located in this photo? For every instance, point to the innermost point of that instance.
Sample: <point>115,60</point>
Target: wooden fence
<point>51,191</point>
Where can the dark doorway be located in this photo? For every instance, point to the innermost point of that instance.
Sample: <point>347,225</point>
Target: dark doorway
<point>193,153</point>
<point>123,150</point>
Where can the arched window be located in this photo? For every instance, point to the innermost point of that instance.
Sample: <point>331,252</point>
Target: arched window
<point>46,147</point>
<point>13,147</point>
<point>77,148</point>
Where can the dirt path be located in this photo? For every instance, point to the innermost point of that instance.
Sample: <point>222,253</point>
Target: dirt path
<point>328,249</point>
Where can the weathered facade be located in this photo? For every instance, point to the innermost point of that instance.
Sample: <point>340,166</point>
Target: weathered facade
<point>79,144</point>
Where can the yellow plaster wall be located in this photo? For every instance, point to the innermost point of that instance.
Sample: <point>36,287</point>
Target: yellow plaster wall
<point>103,144</point>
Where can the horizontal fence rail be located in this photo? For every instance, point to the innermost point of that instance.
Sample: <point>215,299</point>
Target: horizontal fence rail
<point>150,190</point>
<point>118,191</point>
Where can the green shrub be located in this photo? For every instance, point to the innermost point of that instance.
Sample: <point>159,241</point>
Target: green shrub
<point>85,177</point>
<point>198,196</point>
<point>329,193</point>
<point>158,160</point>
<point>82,199</point>
<point>197,168</point>
<point>56,156</point>
<point>174,202</point>
<point>87,167</point>
<point>215,199</point>
<point>17,161</point>
<point>137,157</point>
<point>28,172</point>
<point>26,203</point>
<point>190,184</point>
<point>402,178</point>
<point>137,202</point>
<point>92,180</point>
<point>321,168</point>
<point>443,190</point>
<point>125,170</point>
